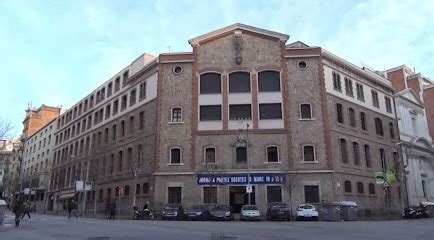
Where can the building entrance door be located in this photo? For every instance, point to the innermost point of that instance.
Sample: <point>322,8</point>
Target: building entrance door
<point>238,197</point>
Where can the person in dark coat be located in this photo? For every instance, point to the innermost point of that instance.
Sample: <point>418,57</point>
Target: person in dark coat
<point>18,210</point>
<point>112,209</point>
<point>26,210</point>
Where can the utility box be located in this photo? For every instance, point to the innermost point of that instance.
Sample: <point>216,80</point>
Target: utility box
<point>2,210</point>
<point>330,212</point>
<point>348,210</point>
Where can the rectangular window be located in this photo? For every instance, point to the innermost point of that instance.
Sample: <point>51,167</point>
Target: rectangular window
<point>122,128</point>
<point>241,155</point>
<point>274,194</point>
<point>356,153</point>
<point>123,102</point>
<point>388,104</point>
<point>269,81</point>
<point>349,87</point>
<point>344,151</point>
<point>141,120</point>
<point>305,111</point>
<point>367,155</point>
<point>360,92</point>
<point>210,195</point>
<point>210,155</point>
<point>308,153</point>
<point>210,113</point>
<point>145,188</point>
<point>176,115</point>
<point>174,195</point>
<point>337,81</point>
<point>239,82</point>
<point>270,111</point>
<point>240,112</point>
<point>175,156</point>
<point>375,101</point>
<point>311,194</point>
<point>131,125</point>
<point>272,154</point>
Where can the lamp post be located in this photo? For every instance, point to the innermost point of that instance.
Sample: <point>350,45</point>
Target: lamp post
<point>248,165</point>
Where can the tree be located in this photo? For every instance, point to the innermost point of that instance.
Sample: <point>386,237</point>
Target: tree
<point>292,181</point>
<point>5,128</point>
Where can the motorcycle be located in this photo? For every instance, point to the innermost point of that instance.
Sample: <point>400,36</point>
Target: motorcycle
<point>146,214</point>
<point>414,213</point>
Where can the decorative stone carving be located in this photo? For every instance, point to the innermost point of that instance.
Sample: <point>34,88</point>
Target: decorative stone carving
<point>238,46</point>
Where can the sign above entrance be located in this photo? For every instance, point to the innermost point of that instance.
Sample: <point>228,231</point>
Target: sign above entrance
<point>240,179</point>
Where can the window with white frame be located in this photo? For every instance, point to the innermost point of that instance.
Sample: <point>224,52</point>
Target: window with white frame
<point>309,153</point>
<point>175,156</point>
<point>272,154</point>
<point>176,114</point>
<point>210,155</point>
<point>305,111</point>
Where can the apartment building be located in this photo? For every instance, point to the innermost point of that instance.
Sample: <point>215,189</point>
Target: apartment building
<point>416,142</point>
<point>296,123</point>
<point>108,138</point>
<point>9,167</point>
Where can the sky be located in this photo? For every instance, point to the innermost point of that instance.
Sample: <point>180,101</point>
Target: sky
<point>57,52</point>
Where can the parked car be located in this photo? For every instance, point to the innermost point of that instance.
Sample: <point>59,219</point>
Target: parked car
<point>221,212</point>
<point>278,211</point>
<point>307,211</point>
<point>197,212</point>
<point>250,212</point>
<point>172,212</point>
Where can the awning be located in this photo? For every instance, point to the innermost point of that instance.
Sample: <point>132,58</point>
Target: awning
<point>67,196</point>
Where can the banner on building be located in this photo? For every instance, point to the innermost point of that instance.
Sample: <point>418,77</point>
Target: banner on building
<point>240,179</point>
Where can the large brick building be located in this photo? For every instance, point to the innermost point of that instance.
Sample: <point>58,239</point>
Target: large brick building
<point>304,124</point>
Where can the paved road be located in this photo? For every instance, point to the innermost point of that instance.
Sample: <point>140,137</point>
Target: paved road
<point>46,227</point>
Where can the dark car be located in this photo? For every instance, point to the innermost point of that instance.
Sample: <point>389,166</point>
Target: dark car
<point>173,212</point>
<point>197,212</point>
<point>278,211</point>
<point>221,212</point>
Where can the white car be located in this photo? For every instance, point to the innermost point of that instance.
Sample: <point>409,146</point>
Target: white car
<point>307,211</point>
<point>250,212</point>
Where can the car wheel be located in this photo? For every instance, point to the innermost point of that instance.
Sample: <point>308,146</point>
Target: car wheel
<point>298,219</point>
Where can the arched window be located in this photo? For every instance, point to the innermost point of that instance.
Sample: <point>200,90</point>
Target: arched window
<point>239,82</point>
<point>367,155</point>
<point>269,81</point>
<point>360,188</point>
<point>117,84</point>
<point>356,153</point>
<point>347,186</point>
<point>371,188</point>
<point>210,83</point>
<point>340,113</point>
<point>352,116</point>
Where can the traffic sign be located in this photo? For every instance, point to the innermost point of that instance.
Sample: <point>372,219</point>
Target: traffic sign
<point>386,184</point>
<point>79,186</point>
<point>88,185</point>
<point>249,189</point>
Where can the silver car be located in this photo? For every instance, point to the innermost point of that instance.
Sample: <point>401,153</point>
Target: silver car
<point>250,212</point>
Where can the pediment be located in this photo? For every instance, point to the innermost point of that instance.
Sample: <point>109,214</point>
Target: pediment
<point>237,27</point>
<point>410,95</point>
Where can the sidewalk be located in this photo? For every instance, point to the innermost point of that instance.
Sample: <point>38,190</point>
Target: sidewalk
<point>88,215</point>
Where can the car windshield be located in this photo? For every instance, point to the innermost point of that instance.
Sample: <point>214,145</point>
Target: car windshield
<point>307,207</point>
<point>250,208</point>
<point>279,205</point>
<point>221,208</point>
<point>172,208</point>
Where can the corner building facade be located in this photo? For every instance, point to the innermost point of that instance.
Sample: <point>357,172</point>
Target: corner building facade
<point>242,103</point>
<point>304,124</point>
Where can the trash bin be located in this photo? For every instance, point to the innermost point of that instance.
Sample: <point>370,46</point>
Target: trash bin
<point>349,211</point>
<point>2,210</point>
<point>330,212</point>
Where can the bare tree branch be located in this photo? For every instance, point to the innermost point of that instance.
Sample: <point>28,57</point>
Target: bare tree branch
<point>5,128</point>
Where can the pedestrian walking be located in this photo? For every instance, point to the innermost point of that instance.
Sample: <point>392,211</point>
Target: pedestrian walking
<point>72,208</point>
<point>112,209</point>
<point>18,210</point>
<point>26,210</point>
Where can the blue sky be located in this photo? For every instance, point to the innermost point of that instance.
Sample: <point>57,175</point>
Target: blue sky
<point>56,52</point>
